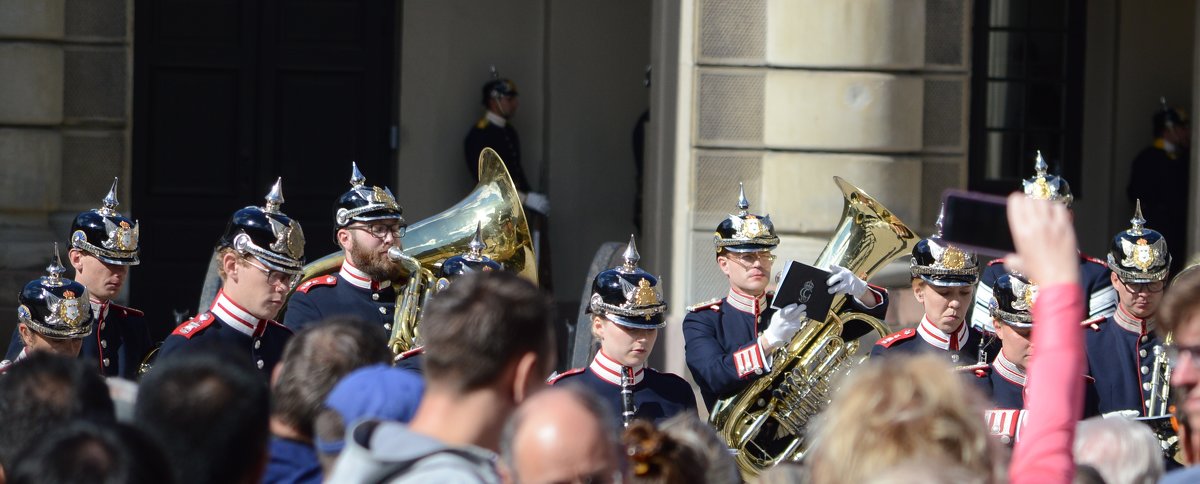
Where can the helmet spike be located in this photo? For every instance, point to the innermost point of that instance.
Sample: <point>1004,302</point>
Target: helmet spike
<point>356,177</point>
<point>275,197</point>
<point>743,204</point>
<point>494,73</point>
<point>110,201</point>
<point>476,246</point>
<point>631,256</point>
<point>55,270</point>
<point>940,219</point>
<point>1137,223</point>
<point>1040,165</point>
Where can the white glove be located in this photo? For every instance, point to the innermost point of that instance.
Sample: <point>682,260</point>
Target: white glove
<point>1122,414</point>
<point>784,324</point>
<point>537,202</point>
<point>842,281</point>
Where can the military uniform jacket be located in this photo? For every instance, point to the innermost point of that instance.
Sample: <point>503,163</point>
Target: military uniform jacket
<point>1094,276</point>
<point>721,340</point>
<point>961,347</point>
<point>118,342</point>
<point>1120,353</point>
<point>229,325</point>
<point>493,131</point>
<point>656,396</point>
<point>1005,386</point>
<point>349,293</point>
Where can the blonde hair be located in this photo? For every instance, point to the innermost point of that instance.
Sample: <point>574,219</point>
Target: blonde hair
<point>889,412</point>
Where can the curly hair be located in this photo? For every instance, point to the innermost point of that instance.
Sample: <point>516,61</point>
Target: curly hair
<point>906,408</point>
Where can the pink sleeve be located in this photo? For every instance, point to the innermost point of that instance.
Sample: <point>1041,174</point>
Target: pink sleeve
<point>1055,391</point>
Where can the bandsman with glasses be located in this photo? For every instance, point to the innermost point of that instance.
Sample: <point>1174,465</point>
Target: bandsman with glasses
<point>261,256</point>
<point>367,223</point>
<point>729,341</point>
<point>1180,317</point>
<point>1122,347</point>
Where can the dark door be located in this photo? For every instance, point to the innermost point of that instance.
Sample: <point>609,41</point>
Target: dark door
<point>229,95</point>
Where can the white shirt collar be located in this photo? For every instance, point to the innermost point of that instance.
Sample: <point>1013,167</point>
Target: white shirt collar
<point>941,340</point>
<point>99,309</point>
<point>1008,370</point>
<point>1132,324</point>
<point>235,316</point>
<point>745,302</point>
<point>357,277</point>
<point>610,371</point>
<point>496,119</point>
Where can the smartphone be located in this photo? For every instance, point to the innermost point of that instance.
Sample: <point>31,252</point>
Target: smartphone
<point>977,222</point>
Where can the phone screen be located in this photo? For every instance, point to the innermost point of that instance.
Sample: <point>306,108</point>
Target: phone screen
<point>977,222</point>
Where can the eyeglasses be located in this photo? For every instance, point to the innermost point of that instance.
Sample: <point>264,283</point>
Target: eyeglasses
<point>749,258</point>
<point>276,277</point>
<point>381,231</point>
<point>1174,353</point>
<point>1146,287</point>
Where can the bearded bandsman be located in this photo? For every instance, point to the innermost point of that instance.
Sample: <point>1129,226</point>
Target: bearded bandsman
<point>729,340</point>
<point>52,315</point>
<point>1121,348</point>
<point>627,313</point>
<point>260,256</point>
<point>1093,274</point>
<point>943,281</point>
<point>368,223</point>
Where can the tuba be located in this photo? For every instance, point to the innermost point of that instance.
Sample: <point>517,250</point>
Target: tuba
<point>494,205</point>
<point>765,423</point>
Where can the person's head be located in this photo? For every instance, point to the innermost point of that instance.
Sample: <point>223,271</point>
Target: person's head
<point>902,411</point>
<point>467,263</point>
<point>313,362</point>
<point>1172,125</point>
<point>943,281</point>
<point>744,243</point>
<point>367,223</point>
<point>1044,186</point>
<point>104,244</point>
<point>53,313</point>
<point>627,310</point>
<point>563,434</point>
<point>500,96</point>
<point>683,449</point>
<point>261,256</point>
<point>373,392</point>
<point>1122,450</point>
<point>1012,312</point>
<point>1180,315</point>
<point>1140,264</point>
<point>488,330</point>
<point>208,410</point>
<point>83,451</point>
<point>41,392</point>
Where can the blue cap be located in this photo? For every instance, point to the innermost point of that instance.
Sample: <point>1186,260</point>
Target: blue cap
<point>373,392</point>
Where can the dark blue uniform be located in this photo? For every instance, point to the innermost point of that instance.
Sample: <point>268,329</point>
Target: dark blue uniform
<point>1098,290</point>
<point>656,396</point>
<point>117,345</point>
<point>961,348</point>
<point>1120,354</point>
<point>348,293</point>
<point>487,133</point>
<point>228,325</point>
<point>1005,386</point>
<point>721,341</point>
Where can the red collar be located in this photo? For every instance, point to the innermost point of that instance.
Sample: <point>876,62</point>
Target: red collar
<point>1132,324</point>
<point>952,341</point>
<point>1008,370</point>
<point>745,302</point>
<point>236,316</point>
<point>610,371</point>
<point>358,278</point>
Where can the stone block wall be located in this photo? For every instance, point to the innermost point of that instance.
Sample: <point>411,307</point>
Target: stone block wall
<point>64,126</point>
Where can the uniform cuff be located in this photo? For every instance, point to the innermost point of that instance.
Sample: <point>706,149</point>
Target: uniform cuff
<point>750,360</point>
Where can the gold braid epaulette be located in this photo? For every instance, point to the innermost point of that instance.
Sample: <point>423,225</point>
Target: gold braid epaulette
<point>696,307</point>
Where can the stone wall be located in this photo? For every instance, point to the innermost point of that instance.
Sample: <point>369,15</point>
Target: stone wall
<point>64,126</point>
